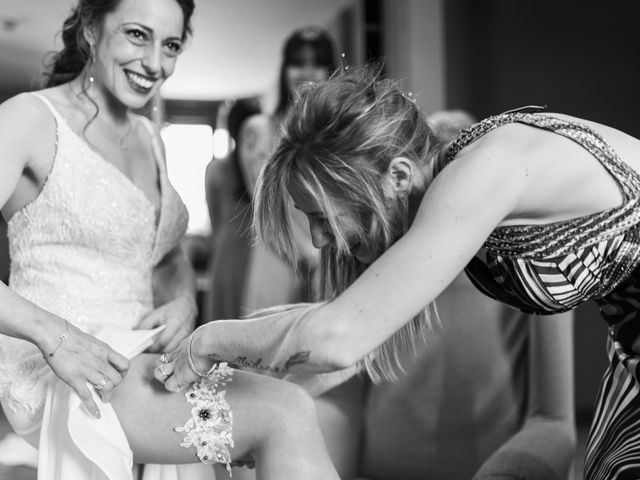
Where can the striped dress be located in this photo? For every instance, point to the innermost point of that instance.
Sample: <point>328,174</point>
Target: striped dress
<point>551,268</point>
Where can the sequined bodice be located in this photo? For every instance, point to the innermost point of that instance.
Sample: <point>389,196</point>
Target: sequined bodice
<point>554,267</point>
<point>85,248</point>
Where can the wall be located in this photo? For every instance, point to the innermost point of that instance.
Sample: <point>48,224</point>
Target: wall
<point>8,92</point>
<point>415,49</point>
<point>580,58</point>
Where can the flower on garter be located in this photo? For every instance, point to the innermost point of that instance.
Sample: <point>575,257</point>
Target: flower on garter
<point>208,413</point>
<point>203,391</point>
<point>209,428</point>
<point>205,388</point>
<point>212,447</point>
<point>220,374</point>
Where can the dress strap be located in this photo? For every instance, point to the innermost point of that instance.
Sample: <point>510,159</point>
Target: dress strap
<point>50,106</point>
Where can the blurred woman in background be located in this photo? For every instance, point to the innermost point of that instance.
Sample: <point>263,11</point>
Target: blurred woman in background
<point>229,207</point>
<point>264,278</point>
<point>308,56</point>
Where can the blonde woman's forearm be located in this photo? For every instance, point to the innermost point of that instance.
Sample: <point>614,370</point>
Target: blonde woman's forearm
<point>289,341</point>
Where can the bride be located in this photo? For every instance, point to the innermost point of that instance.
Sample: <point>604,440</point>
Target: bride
<point>93,223</point>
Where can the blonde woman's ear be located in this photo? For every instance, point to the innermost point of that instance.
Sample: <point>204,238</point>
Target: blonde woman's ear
<point>399,175</point>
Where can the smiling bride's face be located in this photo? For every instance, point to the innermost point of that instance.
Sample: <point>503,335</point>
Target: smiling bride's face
<point>136,49</point>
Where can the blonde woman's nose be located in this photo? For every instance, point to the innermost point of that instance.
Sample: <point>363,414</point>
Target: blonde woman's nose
<point>319,237</point>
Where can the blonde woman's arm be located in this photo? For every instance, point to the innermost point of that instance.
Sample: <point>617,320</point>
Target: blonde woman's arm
<point>446,233</point>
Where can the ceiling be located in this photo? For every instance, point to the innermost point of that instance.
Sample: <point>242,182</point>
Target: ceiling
<point>235,50</point>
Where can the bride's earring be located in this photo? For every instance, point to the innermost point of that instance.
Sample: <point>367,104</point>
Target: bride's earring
<point>92,64</point>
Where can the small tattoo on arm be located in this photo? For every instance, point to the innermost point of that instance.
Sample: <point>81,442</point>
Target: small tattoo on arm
<point>241,362</point>
<point>297,359</point>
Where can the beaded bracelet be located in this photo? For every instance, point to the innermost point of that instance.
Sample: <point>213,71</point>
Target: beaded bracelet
<point>61,338</point>
<point>192,364</point>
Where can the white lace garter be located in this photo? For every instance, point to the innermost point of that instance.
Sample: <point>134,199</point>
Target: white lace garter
<point>209,428</point>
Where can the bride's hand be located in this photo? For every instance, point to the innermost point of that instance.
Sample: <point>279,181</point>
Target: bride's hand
<point>183,365</point>
<point>79,359</point>
<point>179,316</point>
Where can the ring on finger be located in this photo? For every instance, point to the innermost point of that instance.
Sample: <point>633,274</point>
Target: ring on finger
<point>163,358</point>
<point>101,384</point>
<point>161,368</point>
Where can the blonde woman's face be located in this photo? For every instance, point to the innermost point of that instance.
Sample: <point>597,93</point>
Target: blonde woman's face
<point>320,227</point>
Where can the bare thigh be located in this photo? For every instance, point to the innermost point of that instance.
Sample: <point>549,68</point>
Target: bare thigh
<point>149,414</point>
<point>340,418</point>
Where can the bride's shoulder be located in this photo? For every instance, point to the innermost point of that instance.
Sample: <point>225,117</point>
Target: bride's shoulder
<point>23,118</point>
<point>23,107</point>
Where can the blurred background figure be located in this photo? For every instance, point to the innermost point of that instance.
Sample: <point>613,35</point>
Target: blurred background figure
<point>229,206</point>
<point>485,398</point>
<point>308,56</point>
<point>446,124</point>
<point>245,274</point>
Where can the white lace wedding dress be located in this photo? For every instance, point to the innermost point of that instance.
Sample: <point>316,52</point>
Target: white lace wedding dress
<point>84,249</point>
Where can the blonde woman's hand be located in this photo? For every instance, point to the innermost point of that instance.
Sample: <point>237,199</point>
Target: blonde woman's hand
<point>179,316</point>
<point>182,366</point>
<point>83,362</point>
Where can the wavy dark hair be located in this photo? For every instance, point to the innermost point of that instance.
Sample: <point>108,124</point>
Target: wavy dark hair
<point>67,64</point>
<point>324,56</point>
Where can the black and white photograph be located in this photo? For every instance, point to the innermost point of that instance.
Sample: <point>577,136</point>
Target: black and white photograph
<point>319,240</point>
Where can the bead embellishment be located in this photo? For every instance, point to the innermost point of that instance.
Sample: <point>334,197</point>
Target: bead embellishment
<point>209,429</point>
<point>615,231</point>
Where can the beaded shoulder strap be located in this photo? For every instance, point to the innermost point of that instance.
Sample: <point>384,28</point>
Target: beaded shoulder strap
<point>628,178</point>
<point>558,238</point>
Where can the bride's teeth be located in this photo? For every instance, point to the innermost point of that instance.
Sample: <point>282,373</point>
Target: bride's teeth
<point>140,81</point>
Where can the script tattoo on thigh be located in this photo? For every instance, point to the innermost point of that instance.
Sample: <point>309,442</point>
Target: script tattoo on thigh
<point>241,362</point>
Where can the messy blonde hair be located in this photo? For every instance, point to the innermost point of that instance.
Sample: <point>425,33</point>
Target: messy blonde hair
<point>337,142</point>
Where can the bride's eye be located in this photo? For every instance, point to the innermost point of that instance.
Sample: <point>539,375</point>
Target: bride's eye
<point>173,48</point>
<point>137,36</point>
